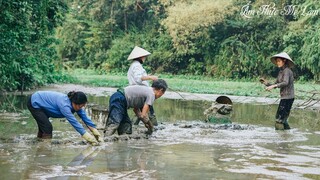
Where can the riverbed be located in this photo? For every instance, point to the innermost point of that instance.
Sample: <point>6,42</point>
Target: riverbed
<point>184,145</point>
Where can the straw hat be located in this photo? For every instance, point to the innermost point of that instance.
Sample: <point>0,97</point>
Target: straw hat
<point>138,52</point>
<point>282,55</point>
<point>223,100</point>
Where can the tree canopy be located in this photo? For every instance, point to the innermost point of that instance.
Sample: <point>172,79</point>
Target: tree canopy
<point>194,37</point>
<point>27,42</point>
<point>223,38</point>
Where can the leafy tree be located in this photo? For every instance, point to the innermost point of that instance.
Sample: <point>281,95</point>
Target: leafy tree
<point>302,38</point>
<point>26,47</point>
<point>187,21</point>
<point>190,37</point>
<point>93,26</point>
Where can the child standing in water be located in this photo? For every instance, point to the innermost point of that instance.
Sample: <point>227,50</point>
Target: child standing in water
<point>284,81</point>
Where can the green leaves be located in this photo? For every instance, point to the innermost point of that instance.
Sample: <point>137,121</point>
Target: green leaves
<point>201,37</point>
<point>188,21</point>
<point>26,43</point>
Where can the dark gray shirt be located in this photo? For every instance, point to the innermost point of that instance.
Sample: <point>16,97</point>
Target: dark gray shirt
<point>285,83</point>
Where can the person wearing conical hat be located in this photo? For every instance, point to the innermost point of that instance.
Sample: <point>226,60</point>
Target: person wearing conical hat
<point>137,75</point>
<point>284,81</point>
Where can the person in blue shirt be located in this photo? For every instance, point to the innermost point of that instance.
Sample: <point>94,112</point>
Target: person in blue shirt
<point>45,104</point>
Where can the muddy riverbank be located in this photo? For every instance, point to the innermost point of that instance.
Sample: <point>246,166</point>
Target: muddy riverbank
<point>107,91</point>
<point>183,146</point>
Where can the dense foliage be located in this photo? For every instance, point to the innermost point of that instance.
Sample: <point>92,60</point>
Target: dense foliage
<point>201,37</point>
<point>222,38</point>
<point>27,43</point>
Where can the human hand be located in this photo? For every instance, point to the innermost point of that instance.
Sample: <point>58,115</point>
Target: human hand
<point>144,119</point>
<point>88,137</point>
<point>149,126</point>
<point>96,134</point>
<point>271,87</point>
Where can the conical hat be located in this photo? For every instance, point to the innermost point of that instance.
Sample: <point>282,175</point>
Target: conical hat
<point>282,55</point>
<point>138,52</point>
<point>223,100</point>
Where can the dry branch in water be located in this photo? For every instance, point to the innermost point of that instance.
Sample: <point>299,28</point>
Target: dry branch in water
<point>313,99</point>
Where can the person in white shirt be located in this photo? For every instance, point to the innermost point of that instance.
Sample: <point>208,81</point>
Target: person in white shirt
<point>137,75</point>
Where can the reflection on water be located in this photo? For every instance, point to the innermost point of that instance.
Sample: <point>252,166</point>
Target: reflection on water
<point>184,148</point>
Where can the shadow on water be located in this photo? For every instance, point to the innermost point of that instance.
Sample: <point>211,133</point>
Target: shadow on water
<point>184,147</point>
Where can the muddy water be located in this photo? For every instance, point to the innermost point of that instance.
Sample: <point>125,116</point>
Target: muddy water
<point>183,147</point>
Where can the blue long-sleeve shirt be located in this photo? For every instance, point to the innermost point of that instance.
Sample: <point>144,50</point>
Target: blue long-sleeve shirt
<point>58,105</point>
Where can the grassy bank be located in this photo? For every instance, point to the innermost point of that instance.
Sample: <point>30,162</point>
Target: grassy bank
<point>195,84</point>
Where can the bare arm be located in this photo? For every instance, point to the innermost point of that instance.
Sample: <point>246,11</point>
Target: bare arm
<point>152,78</point>
<point>145,111</point>
<point>144,118</point>
<point>137,112</point>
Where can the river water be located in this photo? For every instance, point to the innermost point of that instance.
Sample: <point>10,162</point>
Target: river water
<point>183,147</point>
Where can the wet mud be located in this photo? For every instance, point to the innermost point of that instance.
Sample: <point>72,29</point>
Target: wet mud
<point>139,133</point>
<point>182,146</point>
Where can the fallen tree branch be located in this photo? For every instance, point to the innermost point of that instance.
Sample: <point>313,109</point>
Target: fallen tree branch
<point>312,99</point>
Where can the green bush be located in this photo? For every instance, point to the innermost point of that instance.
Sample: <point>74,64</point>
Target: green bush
<point>26,44</point>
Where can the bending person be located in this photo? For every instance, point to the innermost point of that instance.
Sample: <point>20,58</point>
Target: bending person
<point>137,75</point>
<point>136,97</point>
<point>45,104</point>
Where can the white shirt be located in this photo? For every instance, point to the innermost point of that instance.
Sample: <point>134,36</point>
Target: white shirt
<point>135,72</point>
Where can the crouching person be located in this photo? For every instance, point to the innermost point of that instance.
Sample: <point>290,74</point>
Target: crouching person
<point>45,104</point>
<point>136,97</point>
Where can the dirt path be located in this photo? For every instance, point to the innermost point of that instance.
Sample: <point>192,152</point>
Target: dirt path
<point>107,91</point>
